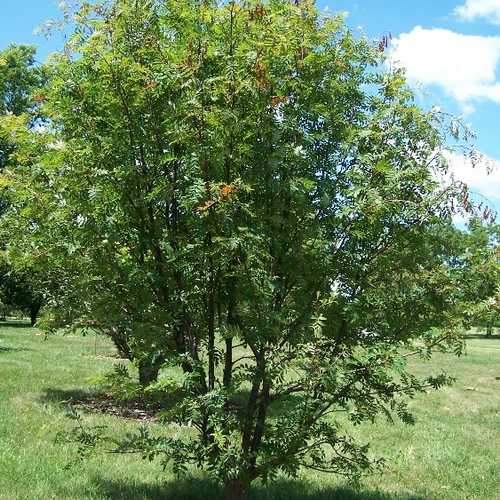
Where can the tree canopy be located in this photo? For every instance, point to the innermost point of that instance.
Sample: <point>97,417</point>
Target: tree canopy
<point>243,190</point>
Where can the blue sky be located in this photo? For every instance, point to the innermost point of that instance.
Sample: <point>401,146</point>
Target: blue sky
<point>451,49</point>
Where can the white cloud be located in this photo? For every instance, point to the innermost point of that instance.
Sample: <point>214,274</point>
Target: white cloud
<point>464,66</point>
<point>482,176</point>
<point>479,9</point>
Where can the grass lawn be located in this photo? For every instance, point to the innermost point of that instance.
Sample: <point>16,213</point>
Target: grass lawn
<point>452,453</point>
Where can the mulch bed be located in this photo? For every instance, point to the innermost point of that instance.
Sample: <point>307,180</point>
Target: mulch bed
<point>102,403</point>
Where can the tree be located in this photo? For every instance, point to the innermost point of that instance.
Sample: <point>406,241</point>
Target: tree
<point>246,192</point>
<point>480,252</point>
<point>19,79</point>
<point>20,294</point>
<point>489,315</point>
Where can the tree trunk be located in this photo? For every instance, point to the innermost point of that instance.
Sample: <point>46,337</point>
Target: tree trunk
<point>149,370</point>
<point>235,489</point>
<point>120,339</point>
<point>34,310</point>
<point>489,330</point>
<point>228,363</point>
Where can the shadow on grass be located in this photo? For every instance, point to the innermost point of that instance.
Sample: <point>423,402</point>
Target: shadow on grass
<point>5,349</point>
<point>65,396</point>
<point>479,336</point>
<point>198,489</point>
<point>16,324</point>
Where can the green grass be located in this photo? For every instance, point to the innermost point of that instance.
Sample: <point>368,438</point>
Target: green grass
<point>452,453</point>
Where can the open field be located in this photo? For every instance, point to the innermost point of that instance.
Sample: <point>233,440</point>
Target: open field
<point>452,453</point>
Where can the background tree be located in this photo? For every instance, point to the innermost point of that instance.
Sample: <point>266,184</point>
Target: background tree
<point>20,78</point>
<point>481,262</point>
<point>243,190</point>
<point>19,294</point>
